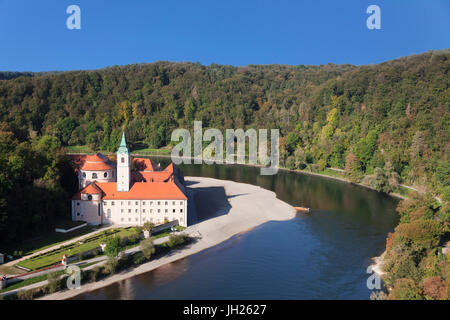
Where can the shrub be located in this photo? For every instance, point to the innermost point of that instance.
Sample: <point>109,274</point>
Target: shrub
<point>113,247</point>
<point>436,288</point>
<point>110,265</point>
<point>25,295</point>
<point>176,240</point>
<point>147,248</point>
<point>54,283</point>
<point>405,289</point>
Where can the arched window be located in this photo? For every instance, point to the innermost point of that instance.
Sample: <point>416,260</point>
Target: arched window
<point>94,176</point>
<point>84,174</point>
<point>89,197</point>
<point>105,174</point>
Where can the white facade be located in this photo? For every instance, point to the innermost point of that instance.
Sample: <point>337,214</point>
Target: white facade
<point>85,177</point>
<point>129,212</point>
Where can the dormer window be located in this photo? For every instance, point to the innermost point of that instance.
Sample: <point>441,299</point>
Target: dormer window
<point>105,174</point>
<point>89,197</point>
<point>94,176</point>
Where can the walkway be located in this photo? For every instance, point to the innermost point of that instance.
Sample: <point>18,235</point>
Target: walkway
<point>96,260</point>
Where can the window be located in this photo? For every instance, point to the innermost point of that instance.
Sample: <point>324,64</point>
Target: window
<point>151,210</point>
<point>84,174</point>
<point>166,203</point>
<point>129,219</point>
<point>159,210</point>
<point>129,210</point>
<point>94,175</point>
<point>121,210</point>
<point>173,211</point>
<point>181,203</point>
<point>143,210</point>
<point>121,203</point>
<point>159,202</point>
<point>173,203</point>
<point>181,210</point>
<point>105,174</point>
<point>136,211</point>
<point>105,203</point>
<point>151,202</point>
<point>108,214</point>
<point>78,213</point>
<point>143,203</point>
<point>136,219</point>
<point>121,219</point>
<point>137,203</point>
<point>144,219</point>
<point>129,202</point>
<point>112,203</point>
<point>165,210</point>
<point>78,203</point>
<point>89,197</point>
<point>113,174</point>
<point>98,210</point>
<point>122,160</point>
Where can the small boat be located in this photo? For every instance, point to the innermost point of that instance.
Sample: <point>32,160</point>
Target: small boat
<point>302,209</point>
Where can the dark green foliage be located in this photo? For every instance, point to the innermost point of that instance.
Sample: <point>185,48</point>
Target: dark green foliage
<point>393,112</point>
<point>36,181</point>
<point>113,247</point>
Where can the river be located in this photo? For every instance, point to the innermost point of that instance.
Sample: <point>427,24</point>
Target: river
<point>322,255</point>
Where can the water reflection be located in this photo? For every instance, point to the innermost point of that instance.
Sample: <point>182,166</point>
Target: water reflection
<point>322,255</point>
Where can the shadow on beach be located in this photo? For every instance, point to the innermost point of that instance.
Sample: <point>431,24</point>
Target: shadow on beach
<point>211,202</point>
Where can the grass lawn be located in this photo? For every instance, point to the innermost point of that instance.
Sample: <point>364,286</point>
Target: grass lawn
<point>89,243</point>
<point>68,224</point>
<point>37,279</point>
<point>37,244</point>
<point>151,151</point>
<point>78,149</point>
<point>27,282</point>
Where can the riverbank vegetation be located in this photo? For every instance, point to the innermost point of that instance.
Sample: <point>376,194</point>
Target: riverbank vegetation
<point>415,265</point>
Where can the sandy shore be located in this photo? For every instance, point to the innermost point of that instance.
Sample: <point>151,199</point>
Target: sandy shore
<point>237,208</point>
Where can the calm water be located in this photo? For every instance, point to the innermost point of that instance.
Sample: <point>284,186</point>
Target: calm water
<point>320,256</point>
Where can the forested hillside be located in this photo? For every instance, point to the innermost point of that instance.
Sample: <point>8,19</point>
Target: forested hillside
<point>389,119</point>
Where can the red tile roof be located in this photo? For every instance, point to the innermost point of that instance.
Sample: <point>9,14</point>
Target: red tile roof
<point>143,191</point>
<point>91,188</point>
<point>96,162</point>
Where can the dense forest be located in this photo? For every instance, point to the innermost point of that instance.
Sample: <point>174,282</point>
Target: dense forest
<point>387,122</point>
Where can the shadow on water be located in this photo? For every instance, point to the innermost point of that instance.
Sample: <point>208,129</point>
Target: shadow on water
<point>320,255</point>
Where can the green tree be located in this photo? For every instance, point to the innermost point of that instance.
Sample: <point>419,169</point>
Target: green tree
<point>147,248</point>
<point>113,247</point>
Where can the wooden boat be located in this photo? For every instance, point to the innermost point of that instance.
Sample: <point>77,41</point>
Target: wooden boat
<point>301,209</point>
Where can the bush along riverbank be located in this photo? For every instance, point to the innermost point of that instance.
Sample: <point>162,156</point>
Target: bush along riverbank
<point>117,262</point>
<point>416,263</point>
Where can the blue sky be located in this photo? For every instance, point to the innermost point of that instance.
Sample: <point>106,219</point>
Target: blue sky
<point>34,36</point>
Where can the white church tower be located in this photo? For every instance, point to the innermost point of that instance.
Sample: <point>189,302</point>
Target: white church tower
<point>123,166</point>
